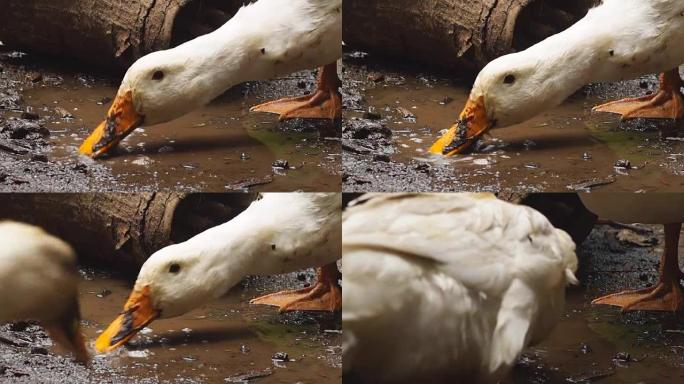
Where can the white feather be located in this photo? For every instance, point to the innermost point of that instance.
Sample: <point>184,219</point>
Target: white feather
<point>619,39</point>
<point>281,232</point>
<point>450,286</point>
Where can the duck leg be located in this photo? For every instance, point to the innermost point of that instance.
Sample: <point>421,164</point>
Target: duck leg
<point>325,295</point>
<point>324,103</point>
<point>667,103</point>
<point>667,294</point>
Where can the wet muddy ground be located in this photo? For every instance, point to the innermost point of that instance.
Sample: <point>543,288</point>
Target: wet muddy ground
<point>393,115</point>
<point>217,148</point>
<point>228,341</point>
<point>598,343</point>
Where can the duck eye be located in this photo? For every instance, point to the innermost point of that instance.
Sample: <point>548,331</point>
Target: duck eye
<point>158,75</point>
<point>509,79</point>
<point>174,268</point>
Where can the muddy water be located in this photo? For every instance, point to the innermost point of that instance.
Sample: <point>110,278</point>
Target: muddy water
<point>215,343</point>
<point>591,342</point>
<point>216,148</point>
<point>565,148</point>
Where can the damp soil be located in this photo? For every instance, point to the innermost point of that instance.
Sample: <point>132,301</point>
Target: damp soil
<point>227,341</point>
<point>220,147</point>
<point>598,344</point>
<point>393,115</point>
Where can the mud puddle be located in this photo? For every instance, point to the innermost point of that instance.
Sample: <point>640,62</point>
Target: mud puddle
<point>218,147</point>
<point>225,341</point>
<point>567,148</point>
<point>598,343</point>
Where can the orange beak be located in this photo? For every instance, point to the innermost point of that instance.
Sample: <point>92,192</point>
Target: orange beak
<point>138,313</point>
<point>122,119</point>
<point>473,123</point>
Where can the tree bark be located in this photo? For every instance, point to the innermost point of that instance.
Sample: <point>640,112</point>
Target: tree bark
<point>108,33</point>
<point>122,230</point>
<point>454,33</point>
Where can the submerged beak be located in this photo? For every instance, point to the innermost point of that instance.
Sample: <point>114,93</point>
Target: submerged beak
<point>138,312</point>
<point>67,333</point>
<point>473,123</point>
<point>122,119</point>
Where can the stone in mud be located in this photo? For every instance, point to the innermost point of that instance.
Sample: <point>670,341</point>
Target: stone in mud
<point>281,356</point>
<point>405,113</point>
<point>371,131</point>
<point>34,77</point>
<point>381,157</point>
<point>446,100</point>
<point>29,115</point>
<point>64,113</point>
<point>623,164</point>
<point>249,377</point>
<point>23,129</point>
<point>376,77</point>
<point>281,164</point>
<point>41,157</point>
<point>372,115</point>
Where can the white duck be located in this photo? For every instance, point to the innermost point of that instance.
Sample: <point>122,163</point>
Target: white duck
<point>663,208</point>
<point>619,39</point>
<point>265,39</point>
<point>448,287</point>
<point>39,281</point>
<point>281,232</point>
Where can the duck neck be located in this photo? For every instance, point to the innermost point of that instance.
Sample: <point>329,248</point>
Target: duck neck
<point>569,60</point>
<point>226,57</point>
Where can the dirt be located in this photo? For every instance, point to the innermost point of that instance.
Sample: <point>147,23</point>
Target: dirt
<point>217,148</point>
<point>225,341</point>
<point>394,112</point>
<point>600,344</point>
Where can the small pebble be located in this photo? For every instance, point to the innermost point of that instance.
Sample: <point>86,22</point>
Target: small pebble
<point>446,100</point>
<point>381,157</point>
<point>39,351</point>
<point>104,293</point>
<point>281,356</point>
<point>281,164</point>
<point>585,348</point>
<point>29,115</point>
<point>623,164</point>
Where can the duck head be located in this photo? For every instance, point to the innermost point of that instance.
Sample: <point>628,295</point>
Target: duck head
<point>508,91</point>
<point>157,88</point>
<point>172,281</point>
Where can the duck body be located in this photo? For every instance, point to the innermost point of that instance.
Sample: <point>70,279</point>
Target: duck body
<point>264,39</point>
<point>617,40</point>
<point>281,232</point>
<point>39,281</point>
<point>448,286</point>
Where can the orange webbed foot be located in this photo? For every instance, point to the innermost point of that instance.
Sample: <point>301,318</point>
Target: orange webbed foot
<point>667,103</point>
<point>663,296</point>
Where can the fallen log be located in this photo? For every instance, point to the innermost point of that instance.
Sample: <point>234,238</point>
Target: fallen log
<point>108,33</point>
<point>454,34</point>
<point>121,230</point>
